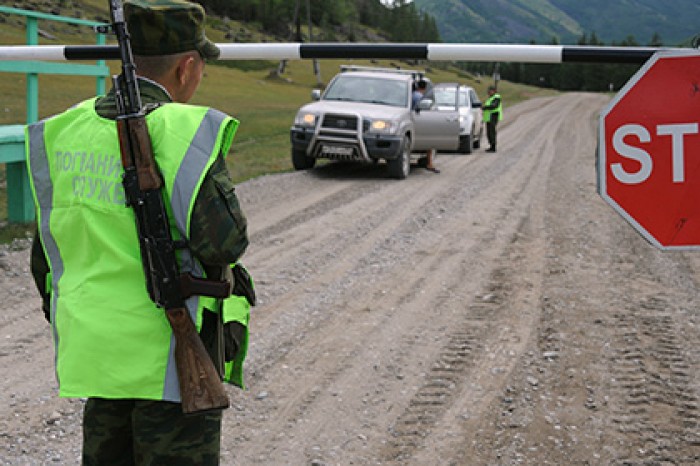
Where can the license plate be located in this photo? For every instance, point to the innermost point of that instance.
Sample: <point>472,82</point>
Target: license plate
<point>337,150</point>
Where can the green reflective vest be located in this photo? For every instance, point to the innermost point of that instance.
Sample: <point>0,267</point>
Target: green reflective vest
<point>111,341</point>
<point>499,110</point>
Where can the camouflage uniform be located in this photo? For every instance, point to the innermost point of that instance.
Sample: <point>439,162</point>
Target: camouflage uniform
<point>162,27</point>
<point>146,432</point>
<point>143,432</point>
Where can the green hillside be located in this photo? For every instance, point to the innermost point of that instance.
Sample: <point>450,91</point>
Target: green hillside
<point>520,21</point>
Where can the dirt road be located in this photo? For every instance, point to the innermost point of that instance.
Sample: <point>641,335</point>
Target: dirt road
<point>498,313</point>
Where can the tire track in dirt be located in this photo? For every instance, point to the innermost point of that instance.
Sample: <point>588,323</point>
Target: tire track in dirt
<point>437,428</point>
<point>497,313</point>
<point>452,204</point>
<point>460,367</point>
<point>654,398</point>
<point>612,379</point>
<point>548,413</point>
<point>657,408</point>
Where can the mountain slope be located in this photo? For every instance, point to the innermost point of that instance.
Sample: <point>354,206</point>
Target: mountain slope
<point>520,21</point>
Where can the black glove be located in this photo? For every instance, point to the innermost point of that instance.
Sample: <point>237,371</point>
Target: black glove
<point>243,284</point>
<point>234,333</point>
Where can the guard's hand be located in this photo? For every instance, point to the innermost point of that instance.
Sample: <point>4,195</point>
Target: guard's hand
<point>234,333</point>
<point>243,284</point>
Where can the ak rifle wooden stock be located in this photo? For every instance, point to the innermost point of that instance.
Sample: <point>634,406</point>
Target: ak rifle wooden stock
<point>200,385</point>
<point>201,388</point>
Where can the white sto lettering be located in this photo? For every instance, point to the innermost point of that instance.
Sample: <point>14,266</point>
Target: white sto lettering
<point>633,153</point>
<point>677,133</point>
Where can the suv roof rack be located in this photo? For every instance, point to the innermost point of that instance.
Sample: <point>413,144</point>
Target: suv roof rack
<point>414,73</point>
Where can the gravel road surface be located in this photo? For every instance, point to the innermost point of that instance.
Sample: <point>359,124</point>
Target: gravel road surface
<point>497,313</point>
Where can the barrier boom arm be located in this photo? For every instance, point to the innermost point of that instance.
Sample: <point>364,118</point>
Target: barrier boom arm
<point>331,50</point>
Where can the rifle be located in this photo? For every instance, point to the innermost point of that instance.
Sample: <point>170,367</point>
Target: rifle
<point>201,388</point>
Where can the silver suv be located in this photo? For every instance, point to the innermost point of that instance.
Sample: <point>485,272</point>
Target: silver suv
<point>365,115</point>
<point>449,96</point>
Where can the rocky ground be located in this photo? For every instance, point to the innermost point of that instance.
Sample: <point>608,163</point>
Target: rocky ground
<point>498,313</point>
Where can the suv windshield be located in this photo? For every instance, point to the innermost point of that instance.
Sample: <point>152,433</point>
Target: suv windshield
<point>369,90</point>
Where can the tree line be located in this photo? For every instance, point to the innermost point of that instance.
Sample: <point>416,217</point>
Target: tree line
<point>569,76</point>
<point>400,22</point>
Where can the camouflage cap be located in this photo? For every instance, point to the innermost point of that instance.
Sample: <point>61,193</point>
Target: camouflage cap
<point>164,27</point>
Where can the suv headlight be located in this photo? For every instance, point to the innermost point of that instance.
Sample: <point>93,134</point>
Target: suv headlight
<point>382,126</point>
<point>306,119</point>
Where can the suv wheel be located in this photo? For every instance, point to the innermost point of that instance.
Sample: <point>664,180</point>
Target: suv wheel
<point>301,161</point>
<point>465,144</point>
<point>401,165</point>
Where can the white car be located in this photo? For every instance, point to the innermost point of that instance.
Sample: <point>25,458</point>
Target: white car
<point>449,96</point>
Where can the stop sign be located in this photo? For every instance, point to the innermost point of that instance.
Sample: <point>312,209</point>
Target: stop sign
<point>649,150</point>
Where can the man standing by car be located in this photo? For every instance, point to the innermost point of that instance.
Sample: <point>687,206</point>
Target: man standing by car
<point>493,113</point>
<point>420,88</point>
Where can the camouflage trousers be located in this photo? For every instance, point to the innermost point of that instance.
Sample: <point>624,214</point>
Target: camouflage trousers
<point>148,433</point>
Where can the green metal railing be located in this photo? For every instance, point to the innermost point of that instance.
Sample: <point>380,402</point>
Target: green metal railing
<point>20,206</point>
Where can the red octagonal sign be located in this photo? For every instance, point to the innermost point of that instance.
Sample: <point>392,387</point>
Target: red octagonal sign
<point>649,150</point>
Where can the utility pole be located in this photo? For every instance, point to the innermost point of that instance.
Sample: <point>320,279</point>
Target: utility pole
<point>317,70</point>
<point>496,75</point>
<point>297,26</point>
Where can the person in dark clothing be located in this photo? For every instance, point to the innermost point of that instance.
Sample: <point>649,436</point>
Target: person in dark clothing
<point>493,113</point>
